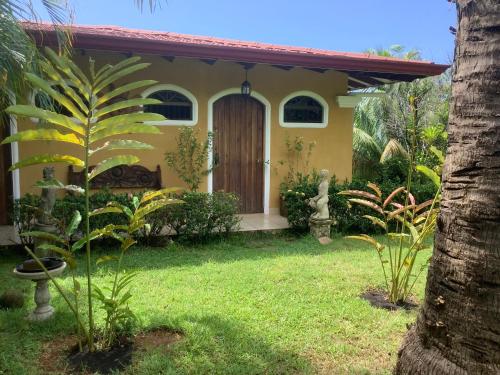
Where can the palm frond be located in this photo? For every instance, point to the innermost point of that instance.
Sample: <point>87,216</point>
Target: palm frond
<point>393,149</point>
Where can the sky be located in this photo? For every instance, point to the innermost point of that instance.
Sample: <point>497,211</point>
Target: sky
<point>341,25</point>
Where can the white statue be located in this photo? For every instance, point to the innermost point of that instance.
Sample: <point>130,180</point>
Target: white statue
<point>320,201</point>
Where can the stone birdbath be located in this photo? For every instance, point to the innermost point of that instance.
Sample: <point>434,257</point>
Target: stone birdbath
<point>29,270</point>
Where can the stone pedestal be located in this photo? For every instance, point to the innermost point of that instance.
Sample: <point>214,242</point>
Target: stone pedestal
<point>320,227</point>
<point>43,310</point>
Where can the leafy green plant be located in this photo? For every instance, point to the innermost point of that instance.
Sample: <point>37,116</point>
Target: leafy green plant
<point>298,155</point>
<point>203,215</point>
<point>189,161</point>
<point>114,300</point>
<point>414,223</point>
<point>92,103</point>
<point>24,213</point>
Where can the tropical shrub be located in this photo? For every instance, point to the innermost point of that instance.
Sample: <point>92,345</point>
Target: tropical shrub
<point>203,215</point>
<point>413,224</point>
<point>189,161</point>
<point>23,216</point>
<point>347,217</point>
<point>94,114</point>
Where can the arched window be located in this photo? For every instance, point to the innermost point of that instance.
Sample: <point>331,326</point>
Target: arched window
<point>303,109</point>
<point>178,105</point>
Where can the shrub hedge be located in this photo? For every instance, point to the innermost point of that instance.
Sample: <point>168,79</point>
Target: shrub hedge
<point>201,216</point>
<point>349,218</point>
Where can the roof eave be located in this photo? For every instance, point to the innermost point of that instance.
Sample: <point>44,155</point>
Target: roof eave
<point>165,48</point>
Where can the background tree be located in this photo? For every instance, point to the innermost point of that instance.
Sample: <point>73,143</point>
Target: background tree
<point>458,328</point>
<point>383,126</point>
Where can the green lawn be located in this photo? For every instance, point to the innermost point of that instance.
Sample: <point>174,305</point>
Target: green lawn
<point>254,304</point>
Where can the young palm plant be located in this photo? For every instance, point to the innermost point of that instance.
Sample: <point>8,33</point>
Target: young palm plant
<point>90,101</point>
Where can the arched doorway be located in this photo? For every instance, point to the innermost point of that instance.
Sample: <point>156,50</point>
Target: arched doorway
<point>239,133</point>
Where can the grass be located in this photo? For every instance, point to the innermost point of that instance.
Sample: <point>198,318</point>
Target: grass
<point>253,304</point>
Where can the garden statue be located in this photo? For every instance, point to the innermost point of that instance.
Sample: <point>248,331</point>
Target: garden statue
<point>44,221</point>
<point>320,201</point>
<point>320,221</point>
<point>47,199</point>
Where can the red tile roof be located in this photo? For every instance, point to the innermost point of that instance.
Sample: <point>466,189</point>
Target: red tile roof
<point>120,39</point>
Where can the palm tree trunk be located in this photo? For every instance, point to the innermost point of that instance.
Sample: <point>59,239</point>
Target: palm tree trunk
<point>458,328</point>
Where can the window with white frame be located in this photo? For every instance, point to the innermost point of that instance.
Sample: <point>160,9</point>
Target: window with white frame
<point>303,109</point>
<point>178,105</point>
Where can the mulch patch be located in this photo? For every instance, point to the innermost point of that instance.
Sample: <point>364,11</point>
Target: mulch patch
<point>378,298</point>
<point>61,355</point>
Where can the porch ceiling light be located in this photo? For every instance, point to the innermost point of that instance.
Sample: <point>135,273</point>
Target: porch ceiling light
<point>246,87</point>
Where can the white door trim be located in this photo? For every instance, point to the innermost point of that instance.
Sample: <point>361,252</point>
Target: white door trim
<point>267,139</point>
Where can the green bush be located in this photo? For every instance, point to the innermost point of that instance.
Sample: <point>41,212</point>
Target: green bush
<point>24,213</point>
<point>348,218</point>
<point>203,215</point>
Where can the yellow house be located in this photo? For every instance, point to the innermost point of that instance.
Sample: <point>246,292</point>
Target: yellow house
<point>251,95</point>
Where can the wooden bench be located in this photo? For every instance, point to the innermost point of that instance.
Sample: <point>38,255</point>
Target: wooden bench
<point>121,176</point>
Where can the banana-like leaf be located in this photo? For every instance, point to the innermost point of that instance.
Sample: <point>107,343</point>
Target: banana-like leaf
<point>112,162</point>
<point>48,116</point>
<point>400,210</point>
<point>57,185</point>
<point>360,193</point>
<point>97,233</point>
<point>421,206</point>
<point>376,221</point>
<point>153,206</point>
<point>397,236</point>
<point>123,89</point>
<point>74,223</point>
<point>119,74</point>
<point>128,118</point>
<point>413,230</point>
<point>43,236</point>
<point>106,258</point>
<point>122,208</point>
<point>366,203</point>
<point>366,238</point>
<point>430,174</point>
<point>392,195</point>
<point>376,189</point>
<point>127,243</point>
<point>438,154</point>
<point>43,135</point>
<point>127,128</point>
<point>58,97</point>
<point>106,210</point>
<point>48,158</point>
<point>122,144</point>
<point>411,198</point>
<point>147,196</point>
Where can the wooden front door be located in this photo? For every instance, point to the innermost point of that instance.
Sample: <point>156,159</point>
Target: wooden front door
<point>238,124</point>
<point>5,175</point>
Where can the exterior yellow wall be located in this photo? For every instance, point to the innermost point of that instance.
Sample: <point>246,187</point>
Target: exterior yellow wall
<point>334,143</point>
